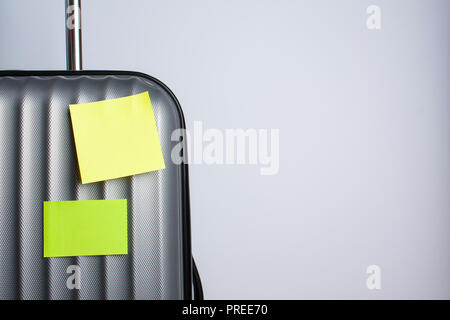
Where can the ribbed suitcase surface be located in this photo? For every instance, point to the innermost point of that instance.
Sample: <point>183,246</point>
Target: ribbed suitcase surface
<point>38,163</point>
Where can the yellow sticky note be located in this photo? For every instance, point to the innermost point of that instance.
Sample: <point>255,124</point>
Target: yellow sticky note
<point>116,138</point>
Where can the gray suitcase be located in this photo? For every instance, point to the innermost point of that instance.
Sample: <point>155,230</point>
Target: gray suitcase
<point>38,163</point>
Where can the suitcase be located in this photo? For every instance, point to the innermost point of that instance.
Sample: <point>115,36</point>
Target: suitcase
<point>38,163</point>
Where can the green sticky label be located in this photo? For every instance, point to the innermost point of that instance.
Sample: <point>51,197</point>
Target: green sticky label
<point>85,228</point>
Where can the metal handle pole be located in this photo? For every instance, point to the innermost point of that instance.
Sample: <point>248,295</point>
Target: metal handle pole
<point>73,35</point>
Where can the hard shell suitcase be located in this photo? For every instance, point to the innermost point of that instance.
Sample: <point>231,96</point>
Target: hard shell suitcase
<point>38,163</point>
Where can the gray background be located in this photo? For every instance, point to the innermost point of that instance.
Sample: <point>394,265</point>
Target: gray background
<point>364,128</point>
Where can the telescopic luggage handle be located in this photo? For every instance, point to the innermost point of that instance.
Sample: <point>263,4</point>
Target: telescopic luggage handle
<point>73,35</point>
